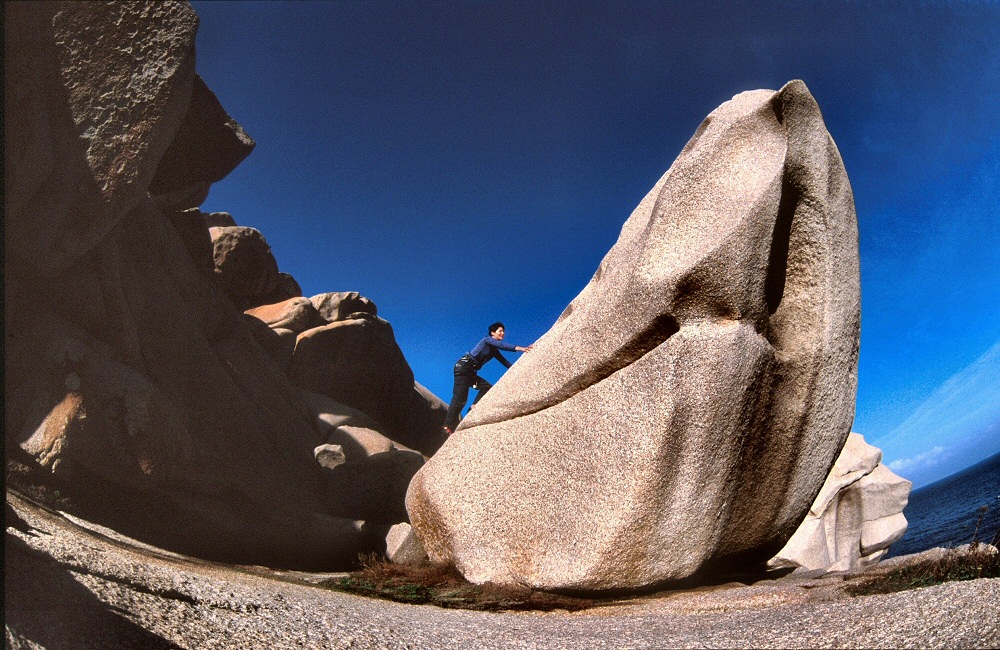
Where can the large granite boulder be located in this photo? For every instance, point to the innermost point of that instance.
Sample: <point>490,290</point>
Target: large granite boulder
<point>70,158</point>
<point>132,386</point>
<point>296,314</point>
<point>245,268</point>
<point>856,517</point>
<point>357,362</point>
<point>685,409</point>
<point>191,226</point>
<point>208,145</point>
<point>339,305</point>
<point>370,478</point>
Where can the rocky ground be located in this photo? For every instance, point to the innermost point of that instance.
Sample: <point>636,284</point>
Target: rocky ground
<point>71,584</point>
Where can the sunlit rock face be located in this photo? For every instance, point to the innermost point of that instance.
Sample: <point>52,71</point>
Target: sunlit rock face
<point>856,517</point>
<point>685,409</point>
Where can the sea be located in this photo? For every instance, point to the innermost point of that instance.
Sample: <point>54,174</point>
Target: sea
<point>946,513</point>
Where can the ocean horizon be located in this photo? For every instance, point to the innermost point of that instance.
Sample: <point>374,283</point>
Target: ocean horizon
<point>946,513</point>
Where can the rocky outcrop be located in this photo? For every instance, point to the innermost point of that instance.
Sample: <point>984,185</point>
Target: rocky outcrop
<point>357,362</point>
<point>133,388</point>
<point>245,268</point>
<point>339,305</point>
<point>78,163</point>
<point>683,412</point>
<point>856,517</point>
<point>208,145</point>
<point>370,478</point>
<point>295,314</point>
<point>402,546</point>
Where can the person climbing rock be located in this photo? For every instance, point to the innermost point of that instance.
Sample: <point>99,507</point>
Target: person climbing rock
<point>467,367</point>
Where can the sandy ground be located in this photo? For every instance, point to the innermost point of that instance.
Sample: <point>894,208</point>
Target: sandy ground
<point>71,584</point>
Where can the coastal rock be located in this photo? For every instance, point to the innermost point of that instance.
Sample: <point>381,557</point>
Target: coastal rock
<point>373,488</point>
<point>296,314</point>
<point>285,288</point>
<point>339,305</point>
<point>356,433</point>
<point>132,385</point>
<point>856,516</point>
<point>218,219</point>
<point>194,233</point>
<point>330,456</point>
<point>358,363</point>
<point>244,266</point>
<point>686,407</point>
<point>403,547</point>
<point>72,157</point>
<point>208,145</point>
<point>278,343</point>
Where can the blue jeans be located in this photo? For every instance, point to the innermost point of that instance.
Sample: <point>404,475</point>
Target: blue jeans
<point>465,378</point>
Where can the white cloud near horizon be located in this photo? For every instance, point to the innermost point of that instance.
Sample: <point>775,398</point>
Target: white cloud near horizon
<point>956,426</point>
<point>926,459</point>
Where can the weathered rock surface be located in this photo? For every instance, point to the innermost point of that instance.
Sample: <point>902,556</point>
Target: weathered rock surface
<point>353,430</point>
<point>132,386</point>
<point>286,287</point>
<point>856,517</point>
<point>358,363</point>
<point>68,587</point>
<point>338,305</point>
<point>402,546</point>
<point>245,268</point>
<point>67,156</point>
<point>218,219</point>
<point>208,145</point>
<point>296,314</point>
<point>685,409</point>
<point>191,227</point>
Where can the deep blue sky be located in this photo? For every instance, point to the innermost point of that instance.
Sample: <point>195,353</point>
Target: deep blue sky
<point>462,162</point>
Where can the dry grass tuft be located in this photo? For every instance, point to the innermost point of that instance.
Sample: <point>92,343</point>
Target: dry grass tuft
<point>979,561</point>
<point>444,586</point>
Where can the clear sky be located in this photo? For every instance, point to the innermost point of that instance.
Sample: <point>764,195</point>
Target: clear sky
<point>464,162</point>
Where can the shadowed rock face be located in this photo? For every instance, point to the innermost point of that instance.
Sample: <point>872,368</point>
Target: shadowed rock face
<point>131,383</point>
<point>686,407</point>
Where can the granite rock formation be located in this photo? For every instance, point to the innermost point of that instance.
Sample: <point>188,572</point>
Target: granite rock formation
<point>685,409</point>
<point>856,517</point>
<point>135,387</point>
<point>356,361</point>
<point>207,146</point>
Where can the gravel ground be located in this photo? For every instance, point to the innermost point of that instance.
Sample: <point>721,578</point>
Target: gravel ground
<point>69,584</point>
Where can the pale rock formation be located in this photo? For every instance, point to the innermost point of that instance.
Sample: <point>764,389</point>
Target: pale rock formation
<point>686,407</point>
<point>856,516</point>
<point>402,546</point>
<point>339,305</point>
<point>330,456</point>
<point>218,219</point>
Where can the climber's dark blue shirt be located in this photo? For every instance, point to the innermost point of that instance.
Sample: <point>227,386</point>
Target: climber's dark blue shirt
<point>489,348</point>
